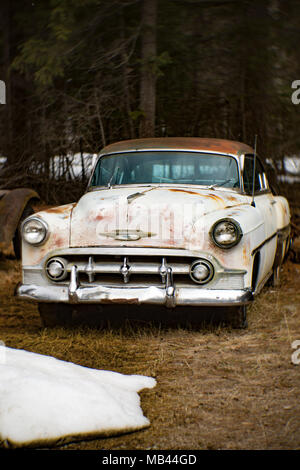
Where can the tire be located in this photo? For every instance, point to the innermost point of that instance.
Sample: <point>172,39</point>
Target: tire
<point>237,317</point>
<point>275,278</point>
<point>55,314</point>
<point>17,241</point>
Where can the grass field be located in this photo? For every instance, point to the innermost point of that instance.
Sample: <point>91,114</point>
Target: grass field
<point>217,388</point>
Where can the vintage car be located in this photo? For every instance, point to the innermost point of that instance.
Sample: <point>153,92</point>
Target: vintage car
<point>164,221</point>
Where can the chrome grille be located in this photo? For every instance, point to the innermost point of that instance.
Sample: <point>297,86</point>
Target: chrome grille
<point>141,270</point>
<point>133,270</point>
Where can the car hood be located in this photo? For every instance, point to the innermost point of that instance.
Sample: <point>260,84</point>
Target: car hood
<point>146,216</point>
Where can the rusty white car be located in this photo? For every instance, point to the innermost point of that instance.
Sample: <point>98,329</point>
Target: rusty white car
<point>164,221</point>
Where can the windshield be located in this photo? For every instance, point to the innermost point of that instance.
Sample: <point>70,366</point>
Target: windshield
<point>166,167</point>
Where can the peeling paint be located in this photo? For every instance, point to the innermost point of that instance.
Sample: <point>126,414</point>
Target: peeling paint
<point>183,191</point>
<point>60,209</point>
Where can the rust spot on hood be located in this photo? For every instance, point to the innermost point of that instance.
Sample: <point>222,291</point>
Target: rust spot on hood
<point>214,197</point>
<point>59,209</point>
<point>232,198</point>
<point>245,255</point>
<point>99,217</point>
<point>184,191</point>
<point>58,241</point>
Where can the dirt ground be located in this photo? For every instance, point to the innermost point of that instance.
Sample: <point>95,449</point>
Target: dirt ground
<point>217,388</point>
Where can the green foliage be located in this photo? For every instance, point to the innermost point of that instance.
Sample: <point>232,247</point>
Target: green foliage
<point>44,65</point>
<point>155,64</point>
<point>136,114</point>
<point>48,50</point>
<point>221,69</point>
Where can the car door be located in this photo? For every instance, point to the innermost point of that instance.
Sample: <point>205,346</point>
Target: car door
<point>264,242</point>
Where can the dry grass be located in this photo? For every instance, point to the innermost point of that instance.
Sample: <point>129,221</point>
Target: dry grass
<point>217,388</point>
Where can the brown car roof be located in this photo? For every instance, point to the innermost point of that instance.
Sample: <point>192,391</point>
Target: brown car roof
<point>181,143</point>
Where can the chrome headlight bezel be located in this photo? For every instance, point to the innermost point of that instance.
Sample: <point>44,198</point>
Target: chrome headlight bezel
<point>59,277</point>
<point>205,263</point>
<point>44,229</point>
<point>238,233</point>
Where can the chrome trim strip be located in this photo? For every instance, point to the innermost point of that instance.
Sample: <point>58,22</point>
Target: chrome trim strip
<point>171,149</point>
<point>148,252</point>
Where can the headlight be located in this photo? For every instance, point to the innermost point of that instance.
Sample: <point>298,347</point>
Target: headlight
<point>226,233</point>
<point>201,271</point>
<point>56,269</point>
<point>34,231</point>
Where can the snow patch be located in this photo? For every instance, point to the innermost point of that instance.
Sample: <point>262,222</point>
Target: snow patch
<point>44,400</point>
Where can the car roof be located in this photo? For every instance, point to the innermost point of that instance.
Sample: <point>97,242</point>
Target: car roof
<point>179,143</point>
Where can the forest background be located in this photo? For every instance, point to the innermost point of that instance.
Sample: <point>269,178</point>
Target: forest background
<point>81,74</point>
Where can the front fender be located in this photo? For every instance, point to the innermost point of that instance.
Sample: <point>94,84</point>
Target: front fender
<point>249,219</point>
<point>241,255</point>
<point>58,221</point>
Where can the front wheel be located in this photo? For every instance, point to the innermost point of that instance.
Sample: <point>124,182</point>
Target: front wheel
<point>238,317</point>
<point>55,314</point>
<point>275,278</point>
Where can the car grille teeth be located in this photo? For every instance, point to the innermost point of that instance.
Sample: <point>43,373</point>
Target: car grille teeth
<point>163,271</point>
<point>125,270</point>
<point>90,269</point>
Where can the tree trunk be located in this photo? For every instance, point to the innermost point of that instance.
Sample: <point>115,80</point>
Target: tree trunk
<point>148,75</point>
<point>6,24</point>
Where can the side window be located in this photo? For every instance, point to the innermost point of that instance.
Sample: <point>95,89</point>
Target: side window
<point>260,182</point>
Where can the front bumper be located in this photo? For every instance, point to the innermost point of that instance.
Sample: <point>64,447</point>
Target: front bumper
<point>168,296</point>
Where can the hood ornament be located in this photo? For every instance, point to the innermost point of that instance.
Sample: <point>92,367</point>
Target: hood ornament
<point>128,235</point>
